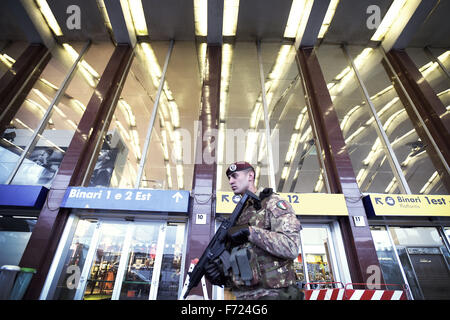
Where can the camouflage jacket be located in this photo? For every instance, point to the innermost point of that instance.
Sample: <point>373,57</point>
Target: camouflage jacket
<point>274,241</point>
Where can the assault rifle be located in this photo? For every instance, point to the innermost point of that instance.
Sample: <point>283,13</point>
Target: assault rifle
<point>217,244</point>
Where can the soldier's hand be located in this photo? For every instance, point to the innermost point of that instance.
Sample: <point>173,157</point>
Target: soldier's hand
<point>214,273</point>
<point>239,234</point>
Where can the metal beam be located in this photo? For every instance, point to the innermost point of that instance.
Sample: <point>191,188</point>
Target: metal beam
<point>414,23</point>
<point>32,22</point>
<point>215,22</point>
<point>121,22</point>
<point>315,19</point>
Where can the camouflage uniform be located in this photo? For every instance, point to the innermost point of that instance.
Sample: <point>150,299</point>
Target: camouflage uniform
<point>274,242</point>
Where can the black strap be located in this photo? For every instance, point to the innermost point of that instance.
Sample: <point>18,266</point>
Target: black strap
<point>262,195</point>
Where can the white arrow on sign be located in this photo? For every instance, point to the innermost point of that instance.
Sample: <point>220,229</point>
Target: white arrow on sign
<point>177,197</point>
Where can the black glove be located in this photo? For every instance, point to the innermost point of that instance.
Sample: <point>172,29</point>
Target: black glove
<point>214,273</point>
<point>238,234</point>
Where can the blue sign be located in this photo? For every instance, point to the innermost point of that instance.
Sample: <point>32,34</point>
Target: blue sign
<point>126,199</point>
<point>22,196</point>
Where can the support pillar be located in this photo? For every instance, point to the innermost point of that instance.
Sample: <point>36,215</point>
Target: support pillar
<point>204,179</point>
<point>424,109</point>
<point>337,166</point>
<point>46,234</point>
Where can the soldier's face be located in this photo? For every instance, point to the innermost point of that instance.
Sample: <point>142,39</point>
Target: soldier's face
<point>240,181</point>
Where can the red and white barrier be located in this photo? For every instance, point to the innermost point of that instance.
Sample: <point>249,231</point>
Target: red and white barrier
<point>371,294</point>
<point>324,294</point>
<point>346,293</point>
<point>351,294</point>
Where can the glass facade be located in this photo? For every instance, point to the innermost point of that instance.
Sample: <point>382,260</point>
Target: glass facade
<point>436,76</point>
<point>293,156</point>
<point>167,162</point>
<point>368,157</point>
<point>169,156</point>
<point>35,143</point>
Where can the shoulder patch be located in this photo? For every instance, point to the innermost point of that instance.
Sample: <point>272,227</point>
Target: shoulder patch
<point>282,205</point>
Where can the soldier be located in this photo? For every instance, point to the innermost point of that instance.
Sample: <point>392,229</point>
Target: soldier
<point>261,246</point>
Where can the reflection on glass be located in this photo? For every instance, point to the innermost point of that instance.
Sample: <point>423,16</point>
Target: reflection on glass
<point>169,279</point>
<point>372,170</point>
<point>18,134</point>
<point>103,272</point>
<point>119,158</point>
<point>431,71</point>
<point>43,159</point>
<point>136,283</point>
<point>294,153</point>
<point>317,255</point>
<point>169,161</point>
<point>386,256</point>
<point>14,236</point>
<point>408,148</point>
<point>9,53</point>
<point>447,233</point>
<point>241,113</point>
<point>74,260</point>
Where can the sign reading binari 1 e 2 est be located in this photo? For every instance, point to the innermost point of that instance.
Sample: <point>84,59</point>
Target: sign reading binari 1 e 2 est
<point>126,199</point>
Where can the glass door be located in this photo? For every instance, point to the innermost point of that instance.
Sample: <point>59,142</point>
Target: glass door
<point>317,261</point>
<point>140,263</point>
<point>170,278</point>
<point>120,260</point>
<point>99,274</point>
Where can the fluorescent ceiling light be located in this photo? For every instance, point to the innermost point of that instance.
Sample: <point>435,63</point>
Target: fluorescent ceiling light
<point>227,57</point>
<point>7,60</point>
<point>138,17</point>
<point>230,17</point>
<point>102,7</point>
<point>328,17</point>
<point>444,56</point>
<point>49,17</point>
<point>201,17</point>
<point>388,20</point>
<point>294,18</point>
<point>298,18</point>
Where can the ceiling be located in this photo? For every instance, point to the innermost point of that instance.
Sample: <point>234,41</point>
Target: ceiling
<point>257,19</point>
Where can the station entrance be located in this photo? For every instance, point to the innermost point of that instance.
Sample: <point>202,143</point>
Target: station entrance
<point>110,259</point>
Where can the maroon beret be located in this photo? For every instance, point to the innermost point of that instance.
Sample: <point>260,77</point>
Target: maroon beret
<point>238,166</point>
